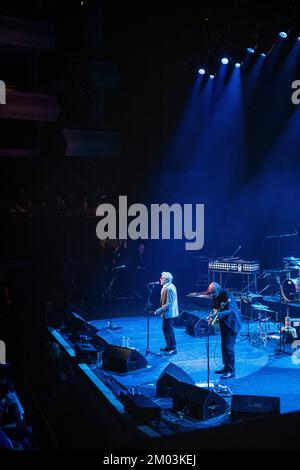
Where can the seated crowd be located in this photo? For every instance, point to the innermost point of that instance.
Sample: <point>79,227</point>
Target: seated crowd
<point>24,203</point>
<point>15,432</point>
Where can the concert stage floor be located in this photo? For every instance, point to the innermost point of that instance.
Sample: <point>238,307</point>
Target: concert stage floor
<point>259,371</point>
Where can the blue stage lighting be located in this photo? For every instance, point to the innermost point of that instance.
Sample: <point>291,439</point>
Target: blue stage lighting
<point>201,71</point>
<point>283,35</point>
<point>225,61</point>
<point>298,38</point>
<point>237,65</point>
<point>250,50</point>
<point>211,76</point>
<point>263,54</point>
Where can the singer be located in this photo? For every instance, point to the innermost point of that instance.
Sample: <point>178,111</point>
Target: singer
<point>230,324</point>
<point>168,311</point>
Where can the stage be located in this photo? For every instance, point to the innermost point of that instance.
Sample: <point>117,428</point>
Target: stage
<point>261,369</point>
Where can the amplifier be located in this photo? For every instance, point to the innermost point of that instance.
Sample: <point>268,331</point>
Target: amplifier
<point>185,317</point>
<point>289,337</point>
<point>295,323</point>
<point>142,408</point>
<point>85,353</point>
<point>246,301</point>
<point>248,406</point>
<point>240,266</point>
<point>199,327</point>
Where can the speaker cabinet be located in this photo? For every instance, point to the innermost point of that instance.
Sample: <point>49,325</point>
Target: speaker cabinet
<point>185,317</point>
<point>199,403</point>
<point>170,376</point>
<point>118,359</point>
<point>199,327</point>
<point>247,406</point>
<point>85,353</point>
<point>142,408</point>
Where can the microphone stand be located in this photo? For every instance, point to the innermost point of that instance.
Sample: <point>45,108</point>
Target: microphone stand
<point>147,309</point>
<point>208,351</point>
<point>230,258</point>
<point>281,349</point>
<point>109,290</point>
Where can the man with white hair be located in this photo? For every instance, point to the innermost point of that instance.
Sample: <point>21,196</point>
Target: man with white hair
<point>168,311</point>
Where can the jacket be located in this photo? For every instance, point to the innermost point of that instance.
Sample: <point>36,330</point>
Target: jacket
<point>230,317</point>
<point>169,302</point>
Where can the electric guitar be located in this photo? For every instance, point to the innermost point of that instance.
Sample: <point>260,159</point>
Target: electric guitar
<point>214,315</point>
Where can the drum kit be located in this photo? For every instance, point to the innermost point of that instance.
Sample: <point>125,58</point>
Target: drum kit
<point>289,283</point>
<point>290,287</point>
<point>261,336</point>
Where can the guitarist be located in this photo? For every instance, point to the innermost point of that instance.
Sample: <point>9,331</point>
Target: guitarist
<point>230,324</point>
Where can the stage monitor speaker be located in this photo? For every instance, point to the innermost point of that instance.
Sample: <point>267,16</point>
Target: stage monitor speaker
<point>85,353</point>
<point>170,376</point>
<point>105,338</point>
<point>142,408</point>
<point>247,406</point>
<point>199,403</point>
<point>185,317</point>
<point>118,359</point>
<point>199,327</point>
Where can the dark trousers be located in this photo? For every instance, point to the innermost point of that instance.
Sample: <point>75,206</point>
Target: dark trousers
<point>228,338</point>
<point>168,329</point>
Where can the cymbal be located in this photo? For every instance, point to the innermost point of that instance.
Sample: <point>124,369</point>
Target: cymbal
<point>262,308</point>
<point>292,259</point>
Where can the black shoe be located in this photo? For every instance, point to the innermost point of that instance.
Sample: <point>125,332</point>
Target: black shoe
<point>221,371</point>
<point>228,375</point>
<point>170,352</point>
<point>165,349</point>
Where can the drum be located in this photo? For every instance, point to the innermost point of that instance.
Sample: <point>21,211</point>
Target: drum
<point>291,289</point>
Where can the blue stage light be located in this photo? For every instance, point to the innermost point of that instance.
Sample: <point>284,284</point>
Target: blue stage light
<point>298,38</point>
<point>263,54</point>
<point>250,50</point>
<point>211,76</point>
<point>201,71</point>
<point>225,61</point>
<point>237,65</point>
<point>283,35</point>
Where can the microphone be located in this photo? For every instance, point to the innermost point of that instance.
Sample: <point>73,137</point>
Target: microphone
<point>235,252</point>
<point>119,267</point>
<point>153,283</point>
<point>266,275</point>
